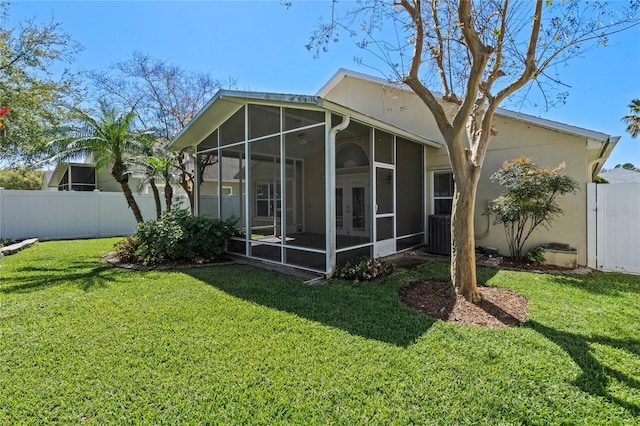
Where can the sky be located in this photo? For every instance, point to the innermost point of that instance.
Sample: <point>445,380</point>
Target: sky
<point>261,44</point>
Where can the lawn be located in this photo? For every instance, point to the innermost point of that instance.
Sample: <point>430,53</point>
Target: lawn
<point>82,342</point>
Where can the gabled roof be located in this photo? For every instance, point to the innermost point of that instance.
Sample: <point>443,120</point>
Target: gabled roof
<point>541,122</point>
<point>226,102</point>
<point>621,175</point>
<point>56,175</point>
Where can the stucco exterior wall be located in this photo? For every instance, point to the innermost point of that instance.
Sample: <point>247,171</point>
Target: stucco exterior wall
<point>515,138</point>
<point>106,183</point>
<point>546,148</point>
<point>386,103</point>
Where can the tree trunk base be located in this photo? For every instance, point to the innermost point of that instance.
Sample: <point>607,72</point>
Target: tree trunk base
<point>474,297</point>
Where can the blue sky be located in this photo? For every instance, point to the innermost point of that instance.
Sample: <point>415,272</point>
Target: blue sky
<point>261,44</point>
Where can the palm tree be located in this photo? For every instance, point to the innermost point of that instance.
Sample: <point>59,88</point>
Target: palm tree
<point>633,120</point>
<point>107,139</point>
<point>151,174</point>
<point>159,165</point>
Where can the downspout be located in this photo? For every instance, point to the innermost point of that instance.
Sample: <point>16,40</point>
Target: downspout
<point>590,169</point>
<point>330,190</point>
<point>484,234</point>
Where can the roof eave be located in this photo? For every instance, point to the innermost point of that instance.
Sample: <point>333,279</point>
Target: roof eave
<point>180,140</point>
<point>541,122</point>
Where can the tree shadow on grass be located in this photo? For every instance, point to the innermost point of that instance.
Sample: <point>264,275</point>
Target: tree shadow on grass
<point>84,274</point>
<point>604,283</point>
<point>371,310</point>
<point>595,376</point>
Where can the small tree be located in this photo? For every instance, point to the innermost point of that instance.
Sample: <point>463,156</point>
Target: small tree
<point>108,139</point>
<point>161,167</point>
<point>626,166</point>
<point>164,96</point>
<point>632,120</point>
<point>530,199</point>
<point>33,84</point>
<point>23,178</point>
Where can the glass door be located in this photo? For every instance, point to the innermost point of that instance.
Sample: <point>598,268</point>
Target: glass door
<point>352,203</point>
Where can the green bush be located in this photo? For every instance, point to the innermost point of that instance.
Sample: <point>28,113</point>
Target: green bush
<point>177,236</point>
<point>126,249</point>
<point>365,269</point>
<point>536,256</point>
<point>530,199</point>
<point>208,238</point>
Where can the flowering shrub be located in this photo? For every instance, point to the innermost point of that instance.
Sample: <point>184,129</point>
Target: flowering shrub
<point>530,199</point>
<point>365,269</point>
<point>177,236</point>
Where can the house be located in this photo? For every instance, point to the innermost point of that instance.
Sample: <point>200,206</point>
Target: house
<point>75,176</point>
<point>360,168</point>
<point>620,175</point>
<point>69,176</point>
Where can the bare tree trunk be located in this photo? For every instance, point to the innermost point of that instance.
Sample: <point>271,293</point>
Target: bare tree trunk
<point>168,196</point>
<point>463,253</point>
<point>186,181</point>
<point>156,198</point>
<point>118,171</point>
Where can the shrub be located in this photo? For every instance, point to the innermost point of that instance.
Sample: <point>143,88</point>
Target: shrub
<point>177,236</point>
<point>159,240</point>
<point>530,199</point>
<point>536,256</point>
<point>365,269</point>
<point>207,238</point>
<point>126,249</point>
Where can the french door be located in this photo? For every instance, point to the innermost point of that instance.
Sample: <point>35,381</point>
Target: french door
<point>352,205</point>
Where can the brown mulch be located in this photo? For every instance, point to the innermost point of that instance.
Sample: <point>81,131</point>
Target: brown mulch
<point>113,259</point>
<point>500,307</point>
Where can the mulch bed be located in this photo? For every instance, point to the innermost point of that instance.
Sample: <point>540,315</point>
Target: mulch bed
<point>113,259</point>
<point>500,307</point>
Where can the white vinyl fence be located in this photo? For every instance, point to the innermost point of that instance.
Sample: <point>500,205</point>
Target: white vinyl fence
<point>614,227</point>
<point>53,215</point>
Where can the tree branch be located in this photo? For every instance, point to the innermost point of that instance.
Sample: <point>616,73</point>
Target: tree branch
<point>412,79</point>
<point>479,56</point>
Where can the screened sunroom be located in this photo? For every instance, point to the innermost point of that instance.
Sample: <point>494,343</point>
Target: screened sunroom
<point>312,184</point>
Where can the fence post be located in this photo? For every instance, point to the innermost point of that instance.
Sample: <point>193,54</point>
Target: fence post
<point>97,217</point>
<point>592,226</point>
<point>1,212</point>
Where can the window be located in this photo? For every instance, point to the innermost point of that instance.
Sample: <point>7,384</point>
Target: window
<point>227,190</point>
<point>267,199</point>
<point>443,185</point>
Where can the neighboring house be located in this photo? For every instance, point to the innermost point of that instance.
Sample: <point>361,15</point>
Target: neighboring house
<point>69,176</point>
<point>361,169</point>
<point>621,175</point>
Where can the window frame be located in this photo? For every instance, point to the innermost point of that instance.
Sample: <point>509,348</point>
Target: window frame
<point>435,198</point>
<point>272,200</point>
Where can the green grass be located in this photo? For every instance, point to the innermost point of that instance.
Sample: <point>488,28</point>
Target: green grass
<point>81,342</point>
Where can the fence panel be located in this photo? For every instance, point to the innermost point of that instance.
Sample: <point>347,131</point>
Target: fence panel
<point>50,215</point>
<point>618,227</point>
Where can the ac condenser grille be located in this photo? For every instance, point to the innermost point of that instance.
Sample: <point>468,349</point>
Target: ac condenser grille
<point>439,234</point>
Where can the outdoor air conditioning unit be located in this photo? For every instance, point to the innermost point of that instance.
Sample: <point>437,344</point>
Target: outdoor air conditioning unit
<point>439,234</point>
